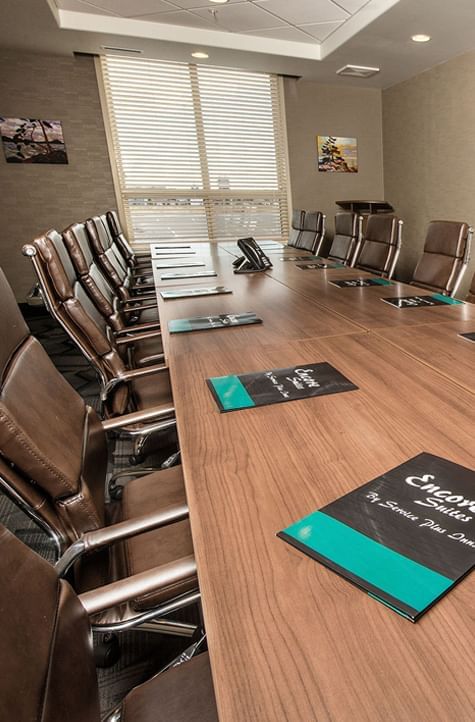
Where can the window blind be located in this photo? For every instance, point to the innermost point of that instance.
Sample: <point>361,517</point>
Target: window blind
<point>200,151</point>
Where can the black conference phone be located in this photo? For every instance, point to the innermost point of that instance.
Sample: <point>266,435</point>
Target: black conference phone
<point>254,258</point>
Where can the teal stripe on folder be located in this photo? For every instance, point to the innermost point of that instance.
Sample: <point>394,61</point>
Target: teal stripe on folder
<point>231,393</point>
<point>391,572</point>
<point>382,281</point>
<point>446,299</point>
<point>179,324</point>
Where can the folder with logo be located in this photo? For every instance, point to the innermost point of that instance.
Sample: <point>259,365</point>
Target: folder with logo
<point>436,299</point>
<point>246,391</point>
<point>406,538</point>
<point>192,292</point>
<point>205,323</point>
<point>361,282</point>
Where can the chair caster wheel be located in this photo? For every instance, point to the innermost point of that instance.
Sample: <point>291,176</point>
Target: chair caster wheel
<point>136,459</point>
<point>116,492</point>
<point>107,652</point>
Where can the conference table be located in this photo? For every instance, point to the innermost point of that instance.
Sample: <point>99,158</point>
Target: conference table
<point>288,638</point>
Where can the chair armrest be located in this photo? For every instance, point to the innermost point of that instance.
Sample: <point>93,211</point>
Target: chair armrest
<point>92,540</point>
<point>140,286</point>
<point>150,295</point>
<point>97,600</point>
<point>130,375</point>
<point>152,326</point>
<point>137,337</point>
<point>138,417</point>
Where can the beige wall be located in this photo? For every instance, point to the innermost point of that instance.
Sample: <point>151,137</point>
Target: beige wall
<point>429,152</point>
<point>34,198</point>
<point>313,109</point>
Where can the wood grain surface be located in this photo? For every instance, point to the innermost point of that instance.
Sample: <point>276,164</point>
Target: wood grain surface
<point>289,640</point>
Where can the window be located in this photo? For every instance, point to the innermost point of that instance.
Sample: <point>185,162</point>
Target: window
<point>200,151</point>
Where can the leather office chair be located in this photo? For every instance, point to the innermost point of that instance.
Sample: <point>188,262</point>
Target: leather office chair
<point>119,314</point>
<point>445,257</point>
<point>313,232</point>
<point>114,354</point>
<point>378,249</point>
<point>348,227</point>
<point>111,262</point>
<point>49,672</point>
<point>296,228</point>
<point>139,261</point>
<point>53,464</point>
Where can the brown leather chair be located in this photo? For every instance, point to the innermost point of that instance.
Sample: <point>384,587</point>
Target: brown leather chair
<point>445,257</point>
<point>347,232</point>
<point>471,294</point>
<point>48,670</point>
<point>111,262</point>
<point>53,463</point>
<point>114,354</point>
<point>379,247</point>
<point>296,228</point>
<point>313,232</point>
<point>139,261</point>
<point>141,314</point>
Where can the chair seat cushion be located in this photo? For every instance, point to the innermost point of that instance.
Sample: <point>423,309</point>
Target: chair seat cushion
<point>141,496</point>
<point>146,350</point>
<point>182,694</point>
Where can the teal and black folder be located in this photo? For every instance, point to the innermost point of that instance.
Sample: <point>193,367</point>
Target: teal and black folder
<point>192,292</point>
<point>205,323</point>
<point>406,538</point>
<point>436,299</point>
<point>361,282</point>
<point>277,385</point>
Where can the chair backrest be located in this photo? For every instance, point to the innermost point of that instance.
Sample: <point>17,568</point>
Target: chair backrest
<point>347,228</point>
<point>48,670</point>
<point>100,291</point>
<point>378,250</point>
<point>49,438</point>
<point>108,258</point>
<point>70,305</point>
<point>296,227</point>
<point>445,257</point>
<point>119,237</point>
<point>313,232</point>
<point>471,292</point>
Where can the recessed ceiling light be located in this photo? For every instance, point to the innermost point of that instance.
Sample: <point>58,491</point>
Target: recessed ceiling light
<point>218,1</point>
<point>420,38</point>
<point>203,56</point>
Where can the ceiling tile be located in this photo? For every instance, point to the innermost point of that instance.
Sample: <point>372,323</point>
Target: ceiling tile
<point>192,4</point>
<point>240,17</point>
<point>81,7</point>
<point>181,17</point>
<point>304,11</point>
<point>320,31</point>
<point>352,6</point>
<point>285,33</point>
<point>133,8</point>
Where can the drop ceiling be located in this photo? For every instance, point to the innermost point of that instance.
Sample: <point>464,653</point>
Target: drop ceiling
<point>307,38</point>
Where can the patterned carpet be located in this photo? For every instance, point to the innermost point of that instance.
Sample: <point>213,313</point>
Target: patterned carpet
<point>142,654</point>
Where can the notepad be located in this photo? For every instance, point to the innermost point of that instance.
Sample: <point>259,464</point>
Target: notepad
<point>436,299</point>
<point>275,386</point>
<point>315,266</point>
<point>406,538</point>
<point>361,282</point>
<point>206,323</point>
<point>200,274</point>
<point>179,264</point>
<point>300,258</point>
<point>191,292</point>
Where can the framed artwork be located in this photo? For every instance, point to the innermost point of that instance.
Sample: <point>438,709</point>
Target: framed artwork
<point>27,140</point>
<point>337,155</point>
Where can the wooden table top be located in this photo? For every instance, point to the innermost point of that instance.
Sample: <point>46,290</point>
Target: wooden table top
<point>290,640</point>
<point>441,347</point>
<point>363,305</point>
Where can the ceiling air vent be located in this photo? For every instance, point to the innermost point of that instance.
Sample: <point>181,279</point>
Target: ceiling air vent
<point>357,71</point>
